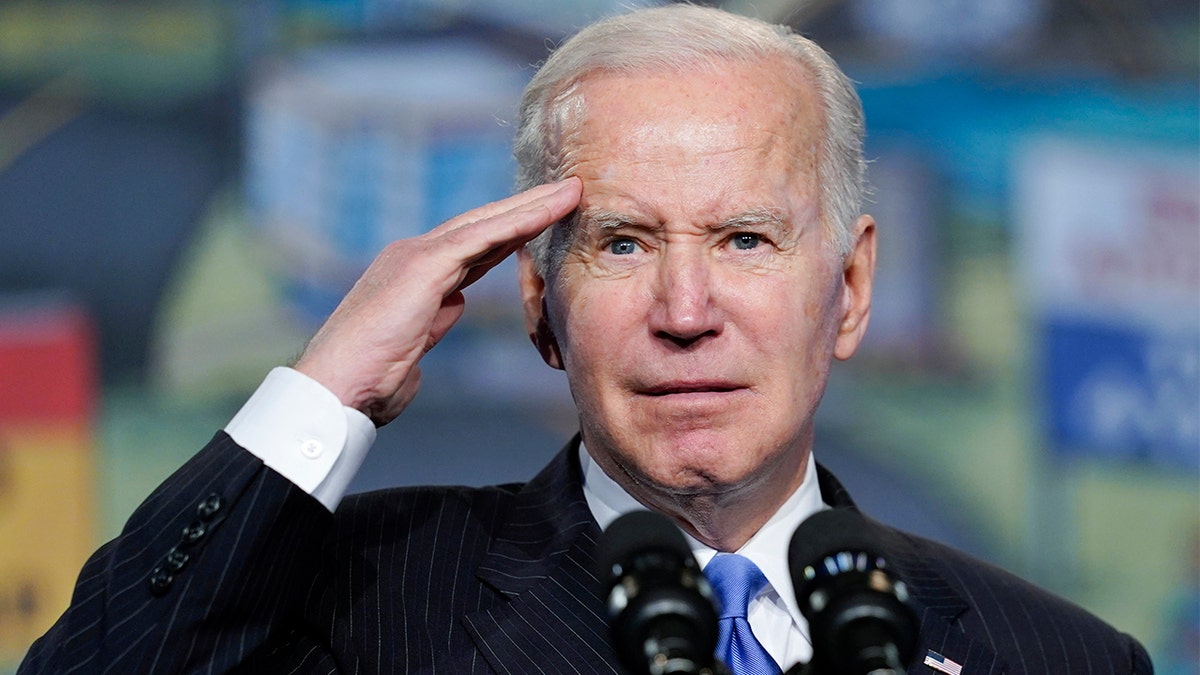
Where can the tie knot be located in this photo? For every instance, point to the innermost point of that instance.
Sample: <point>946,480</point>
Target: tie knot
<point>736,580</point>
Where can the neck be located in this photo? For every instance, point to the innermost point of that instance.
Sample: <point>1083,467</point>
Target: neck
<point>723,517</point>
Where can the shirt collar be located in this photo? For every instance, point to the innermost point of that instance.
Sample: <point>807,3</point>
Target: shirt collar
<point>767,548</point>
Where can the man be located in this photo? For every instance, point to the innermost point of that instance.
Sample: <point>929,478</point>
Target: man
<point>699,261</point>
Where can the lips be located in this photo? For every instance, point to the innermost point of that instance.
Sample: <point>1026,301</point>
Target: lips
<point>702,387</point>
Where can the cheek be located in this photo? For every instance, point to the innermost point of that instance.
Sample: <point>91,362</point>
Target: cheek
<point>796,315</point>
<point>817,282</point>
<point>587,321</point>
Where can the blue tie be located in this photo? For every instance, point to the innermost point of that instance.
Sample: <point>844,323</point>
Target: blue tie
<point>736,580</point>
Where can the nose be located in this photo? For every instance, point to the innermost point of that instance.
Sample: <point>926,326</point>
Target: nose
<point>684,310</point>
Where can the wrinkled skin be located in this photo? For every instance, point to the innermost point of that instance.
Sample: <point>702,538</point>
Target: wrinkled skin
<point>700,303</point>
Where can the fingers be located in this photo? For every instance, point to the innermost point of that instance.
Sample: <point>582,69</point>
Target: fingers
<point>476,246</point>
<point>367,351</point>
<point>568,189</point>
<point>449,313</point>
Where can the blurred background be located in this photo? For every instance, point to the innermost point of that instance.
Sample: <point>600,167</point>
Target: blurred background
<point>187,188</point>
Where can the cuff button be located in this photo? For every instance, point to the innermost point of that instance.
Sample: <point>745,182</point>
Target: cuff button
<point>160,581</point>
<point>175,561</point>
<point>312,448</point>
<point>194,533</point>
<point>209,507</point>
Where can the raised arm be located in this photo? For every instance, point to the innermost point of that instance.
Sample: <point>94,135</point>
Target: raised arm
<point>204,575</point>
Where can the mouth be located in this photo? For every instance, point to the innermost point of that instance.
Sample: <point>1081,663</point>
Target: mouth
<point>678,388</point>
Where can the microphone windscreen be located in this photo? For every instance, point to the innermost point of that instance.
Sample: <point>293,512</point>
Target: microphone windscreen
<point>858,612</point>
<point>635,532</point>
<point>660,606</point>
<point>830,531</point>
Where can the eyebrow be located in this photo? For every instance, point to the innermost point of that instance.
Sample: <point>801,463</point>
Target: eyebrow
<point>605,219</point>
<point>759,217</point>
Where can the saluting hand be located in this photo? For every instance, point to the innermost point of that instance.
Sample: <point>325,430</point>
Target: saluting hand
<point>367,351</point>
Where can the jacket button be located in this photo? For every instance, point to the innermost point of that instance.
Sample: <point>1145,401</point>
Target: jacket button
<point>176,560</point>
<point>194,533</point>
<point>209,507</point>
<point>160,581</point>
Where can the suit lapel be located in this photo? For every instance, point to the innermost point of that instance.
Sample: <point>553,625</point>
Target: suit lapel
<point>553,619</point>
<point>939,608</point>
<point>938,605</point>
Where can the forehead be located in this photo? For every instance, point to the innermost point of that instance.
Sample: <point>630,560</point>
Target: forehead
<point>733,128</point>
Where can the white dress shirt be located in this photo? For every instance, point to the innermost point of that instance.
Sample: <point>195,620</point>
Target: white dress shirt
<point>773,614</point>
<point>303,432</point>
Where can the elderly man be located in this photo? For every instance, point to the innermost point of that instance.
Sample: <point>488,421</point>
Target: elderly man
<point>698,259</point>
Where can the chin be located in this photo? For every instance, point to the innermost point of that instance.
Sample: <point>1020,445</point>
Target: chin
<point>704,470</point>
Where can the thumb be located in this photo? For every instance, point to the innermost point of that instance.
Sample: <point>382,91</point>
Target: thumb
<point>447,315</point>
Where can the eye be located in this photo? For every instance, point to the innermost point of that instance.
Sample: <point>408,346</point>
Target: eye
<point>744,241</point>
<point>622,246</point>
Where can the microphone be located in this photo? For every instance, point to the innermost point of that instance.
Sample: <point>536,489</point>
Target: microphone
<point>662,618</point>
<point>858,613</point>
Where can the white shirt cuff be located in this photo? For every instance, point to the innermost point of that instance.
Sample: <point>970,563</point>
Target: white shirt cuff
<point>301,430</point>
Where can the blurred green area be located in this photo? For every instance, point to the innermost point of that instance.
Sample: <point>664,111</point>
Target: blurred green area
<point>132,54</point>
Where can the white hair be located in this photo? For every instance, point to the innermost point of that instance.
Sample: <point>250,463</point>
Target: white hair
<point>679,38</point>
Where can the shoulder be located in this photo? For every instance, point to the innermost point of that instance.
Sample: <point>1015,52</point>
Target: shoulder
<point>1023,623</point>
<point>557,487</point>
<point>411,510</point>
<point>409,542</point>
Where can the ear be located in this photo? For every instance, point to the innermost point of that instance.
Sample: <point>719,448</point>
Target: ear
<point>533,298</point>
<point>858,273</point>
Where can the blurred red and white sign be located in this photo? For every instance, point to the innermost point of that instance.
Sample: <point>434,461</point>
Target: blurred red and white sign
<point>1109,249</point>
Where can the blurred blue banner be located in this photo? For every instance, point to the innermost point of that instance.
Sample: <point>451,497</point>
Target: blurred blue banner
<point>1122,392</point>
<point>1109,238</point>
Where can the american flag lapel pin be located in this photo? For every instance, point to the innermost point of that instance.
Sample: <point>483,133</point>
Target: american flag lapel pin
<point>942,664</point>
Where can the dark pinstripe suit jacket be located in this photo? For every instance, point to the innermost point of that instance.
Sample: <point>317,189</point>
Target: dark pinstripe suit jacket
<point>227,567</point>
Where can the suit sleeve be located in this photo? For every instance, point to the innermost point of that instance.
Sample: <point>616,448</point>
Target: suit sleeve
<point>199,578</point>
<point>1140,658</point>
